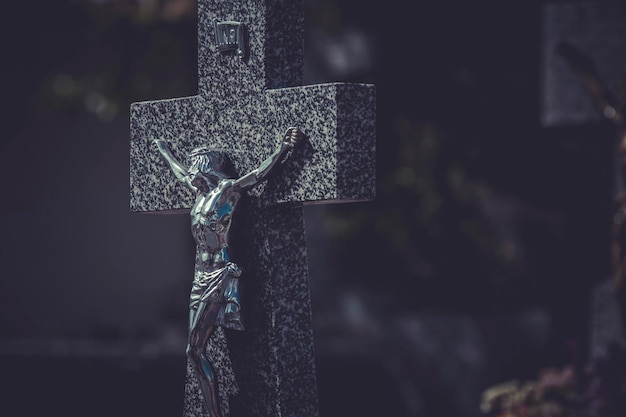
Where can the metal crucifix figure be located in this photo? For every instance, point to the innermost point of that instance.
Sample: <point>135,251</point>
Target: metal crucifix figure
<point>215,291</point>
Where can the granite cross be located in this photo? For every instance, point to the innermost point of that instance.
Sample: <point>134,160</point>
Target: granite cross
<point>245,102</point>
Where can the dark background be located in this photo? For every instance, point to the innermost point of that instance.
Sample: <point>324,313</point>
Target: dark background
<point>472,266</point>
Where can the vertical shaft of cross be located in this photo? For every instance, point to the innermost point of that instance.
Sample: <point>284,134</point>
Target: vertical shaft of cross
<point>274,57</point>
<point>277,339</point>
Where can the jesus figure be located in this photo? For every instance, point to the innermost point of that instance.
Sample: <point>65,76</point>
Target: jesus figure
<point>215,291</point>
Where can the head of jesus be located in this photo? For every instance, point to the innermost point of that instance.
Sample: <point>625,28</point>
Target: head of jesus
<point>207,168</point>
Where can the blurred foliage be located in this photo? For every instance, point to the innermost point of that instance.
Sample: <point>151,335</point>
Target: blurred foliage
<point>144,11</point>
<point>108,78</point>
<point>595,390</point>
<point>478,208</point>
<point>433,225</point>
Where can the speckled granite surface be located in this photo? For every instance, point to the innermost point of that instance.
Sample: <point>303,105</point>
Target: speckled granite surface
<point>245,107</point>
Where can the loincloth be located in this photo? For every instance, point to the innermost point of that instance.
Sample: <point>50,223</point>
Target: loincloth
<point>212,287</point>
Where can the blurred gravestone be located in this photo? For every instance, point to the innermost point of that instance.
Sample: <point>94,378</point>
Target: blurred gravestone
<point>584,57</point>
<point>606,325</point>
<point>598,31</point>
<point>245,102</point>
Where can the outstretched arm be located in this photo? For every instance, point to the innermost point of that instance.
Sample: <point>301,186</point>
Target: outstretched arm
<point>290,139</point>
<point>177,168</point>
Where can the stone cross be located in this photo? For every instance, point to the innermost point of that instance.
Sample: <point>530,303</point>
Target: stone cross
<point>584,60</point>
<point>245,102</point>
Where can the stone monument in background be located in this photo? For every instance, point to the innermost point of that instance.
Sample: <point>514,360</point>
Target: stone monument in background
<point>584,78</point>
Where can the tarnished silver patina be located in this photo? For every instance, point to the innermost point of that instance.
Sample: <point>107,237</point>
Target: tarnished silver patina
<point>215,291</point>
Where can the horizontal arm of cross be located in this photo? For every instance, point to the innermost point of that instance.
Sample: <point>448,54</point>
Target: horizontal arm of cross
<point>335,163</point>
<point>339,159</point>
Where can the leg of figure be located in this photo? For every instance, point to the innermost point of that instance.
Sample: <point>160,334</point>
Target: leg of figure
<point>232,312</point>
<point>201,326</point>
